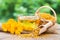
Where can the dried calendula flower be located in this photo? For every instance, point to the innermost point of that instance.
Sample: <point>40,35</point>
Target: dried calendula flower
<point>47,16</point>
<point>4,27</point>
<point>8,26</point>
<point>17,32</point>
<point>13,26</point>
<point>19,27</point>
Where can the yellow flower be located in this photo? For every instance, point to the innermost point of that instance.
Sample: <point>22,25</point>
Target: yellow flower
<point>17,32</point>
<point>19,27</point>
<point>12,28</point>
<point>47,16</point>
<point>11,20</point>
<point>4,27</point>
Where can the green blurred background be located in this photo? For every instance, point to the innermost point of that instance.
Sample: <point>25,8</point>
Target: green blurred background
<point>13,8</point>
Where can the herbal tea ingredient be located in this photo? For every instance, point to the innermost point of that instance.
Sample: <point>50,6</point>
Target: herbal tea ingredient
<point>47,16</point>
<point>16,27</point>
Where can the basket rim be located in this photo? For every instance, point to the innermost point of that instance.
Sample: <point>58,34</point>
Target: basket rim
<point>37,11</point>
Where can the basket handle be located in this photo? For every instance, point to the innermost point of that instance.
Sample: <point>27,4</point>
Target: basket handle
<point>36,13</point>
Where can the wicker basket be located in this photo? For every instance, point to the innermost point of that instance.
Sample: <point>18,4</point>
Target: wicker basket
<point>50,29</point>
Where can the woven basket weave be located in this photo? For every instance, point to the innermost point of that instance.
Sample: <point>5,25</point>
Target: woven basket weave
<point>37,11</point>
<point>51,28</point>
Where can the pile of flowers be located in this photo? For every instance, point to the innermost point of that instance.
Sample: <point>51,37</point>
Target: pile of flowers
<point>17,27</point>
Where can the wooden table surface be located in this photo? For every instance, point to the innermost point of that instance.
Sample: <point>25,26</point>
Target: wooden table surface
<point>6,36</point>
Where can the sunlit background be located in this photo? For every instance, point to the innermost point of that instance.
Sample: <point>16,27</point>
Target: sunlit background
<point>13,8</point>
